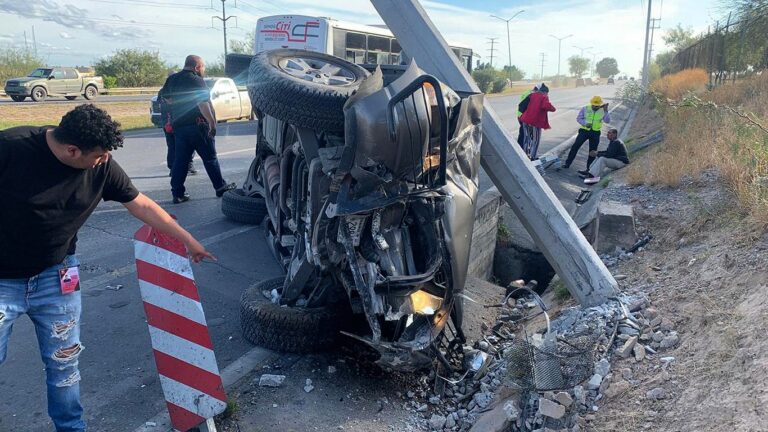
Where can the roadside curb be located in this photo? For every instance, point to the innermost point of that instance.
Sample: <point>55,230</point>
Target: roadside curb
<point>233,373</point>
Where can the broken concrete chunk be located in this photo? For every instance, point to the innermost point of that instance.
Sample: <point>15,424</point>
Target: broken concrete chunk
<point>551,409</point>
<point>606,383</point>
<point>308,387</point>
<point>594,382</point>
<point>482,399</point>
<point>450,422</point>
<point>579,394</point>
<point>626,349</point>
<point>627,373</point>
<point>656,394</point>
<point>666,325</point>
<point>564,399</point>
<point>436,422</point>
<point>602,367</point>
<point>639,351</point>
<point>510,409</point>
<point>651,313</point>
<point>658,336</point>
<point>331,369</point>
<point>269,380</point>
<point>434,400</point>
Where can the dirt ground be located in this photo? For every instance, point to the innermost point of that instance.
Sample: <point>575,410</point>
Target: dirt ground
<point>707,270</point>
<point>350,393</point>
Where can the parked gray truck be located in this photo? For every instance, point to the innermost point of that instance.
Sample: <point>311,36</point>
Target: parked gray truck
<point>54,81</point>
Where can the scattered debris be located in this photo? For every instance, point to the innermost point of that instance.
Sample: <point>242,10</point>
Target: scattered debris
<point>308,387</point>
<point>269,380</point>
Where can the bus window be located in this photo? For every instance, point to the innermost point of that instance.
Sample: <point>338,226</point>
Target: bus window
<point>355,56</point>
<point>395,47</point>
<point>355,41</point>
<point>377,58</point>
<point>378,43</point>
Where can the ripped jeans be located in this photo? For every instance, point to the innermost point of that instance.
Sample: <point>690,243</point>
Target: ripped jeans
<point>57,323</point>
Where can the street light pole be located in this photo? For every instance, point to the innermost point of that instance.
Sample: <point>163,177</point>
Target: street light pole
<point>594,65</point>
<point>582,49</point>
<point>559,44</point>
<point>509,40</point>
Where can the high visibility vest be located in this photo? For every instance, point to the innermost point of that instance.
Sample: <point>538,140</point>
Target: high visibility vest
<point>522,98</point>
<point>594,117</point>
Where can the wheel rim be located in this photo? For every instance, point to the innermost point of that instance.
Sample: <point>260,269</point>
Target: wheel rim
<point>317,71</point>
<point>89,91</point>
<point>39,94</point>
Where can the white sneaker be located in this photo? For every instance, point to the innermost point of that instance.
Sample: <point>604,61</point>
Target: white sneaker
<point>591,180</point>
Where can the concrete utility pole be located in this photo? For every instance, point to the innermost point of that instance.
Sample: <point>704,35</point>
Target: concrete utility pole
<point>582,49</point>
<point>26,44</point>
<point>645,49</point>
<point>492,49</point>
<point>559,45</point>
<point>655,24</point>
<point>34,40</point>
<point>224,18</point>
<point>550,226</point>
<point>543,57</point>
<point>509,40</point>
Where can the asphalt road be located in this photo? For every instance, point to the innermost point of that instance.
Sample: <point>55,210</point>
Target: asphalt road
<point>120,388</point>
<point>60,100</point>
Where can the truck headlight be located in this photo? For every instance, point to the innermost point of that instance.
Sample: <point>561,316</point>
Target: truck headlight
<point>424,303</point>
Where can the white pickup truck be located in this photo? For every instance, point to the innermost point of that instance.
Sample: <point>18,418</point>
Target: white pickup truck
<point>229,102</point>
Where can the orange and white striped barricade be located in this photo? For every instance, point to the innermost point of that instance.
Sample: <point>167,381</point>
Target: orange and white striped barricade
<point>182,346</point>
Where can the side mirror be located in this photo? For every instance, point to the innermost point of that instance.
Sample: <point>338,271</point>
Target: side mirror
<point>50,77</point>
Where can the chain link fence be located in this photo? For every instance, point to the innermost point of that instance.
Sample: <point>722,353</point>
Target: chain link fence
<point>729,50</point>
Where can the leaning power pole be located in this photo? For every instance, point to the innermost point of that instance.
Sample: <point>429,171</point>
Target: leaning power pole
<point>492,41</point>
<point>224,18</point>
<point>645,49</point>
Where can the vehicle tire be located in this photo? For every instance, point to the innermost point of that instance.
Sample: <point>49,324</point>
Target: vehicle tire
<point>243,208</point>
<point>18,98</point>
<point>286,329</point>
<point>39,94</point>
<point>70,97</point>
<point>278,87</point>
<point>90,92</point>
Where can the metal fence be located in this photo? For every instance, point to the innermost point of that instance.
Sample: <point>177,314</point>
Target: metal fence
<point>729,50</point>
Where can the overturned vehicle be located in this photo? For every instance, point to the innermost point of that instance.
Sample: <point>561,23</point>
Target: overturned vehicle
<point>367,183</point>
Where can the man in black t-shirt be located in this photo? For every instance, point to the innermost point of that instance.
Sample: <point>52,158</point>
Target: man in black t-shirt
<point>194,127</point>
<point>51,180</point>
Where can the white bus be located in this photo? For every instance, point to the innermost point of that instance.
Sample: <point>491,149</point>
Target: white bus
<point>357,43</point>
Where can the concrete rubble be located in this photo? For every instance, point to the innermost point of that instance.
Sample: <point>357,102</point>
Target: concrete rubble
<point>503,398</point>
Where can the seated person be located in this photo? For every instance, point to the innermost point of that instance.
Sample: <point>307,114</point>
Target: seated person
<point>613,158</point>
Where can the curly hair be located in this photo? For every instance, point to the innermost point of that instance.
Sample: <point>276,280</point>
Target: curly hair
<point>88,128</point>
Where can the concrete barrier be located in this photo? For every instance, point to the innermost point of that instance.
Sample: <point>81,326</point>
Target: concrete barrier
<point>484,234</point>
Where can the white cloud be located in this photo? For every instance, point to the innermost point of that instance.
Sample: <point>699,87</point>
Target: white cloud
<point>65,35</point>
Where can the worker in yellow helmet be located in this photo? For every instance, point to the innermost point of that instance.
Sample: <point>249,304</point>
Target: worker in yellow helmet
<point>590,119</point>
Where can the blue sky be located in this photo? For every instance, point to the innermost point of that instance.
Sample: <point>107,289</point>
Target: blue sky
<point>78,32</point>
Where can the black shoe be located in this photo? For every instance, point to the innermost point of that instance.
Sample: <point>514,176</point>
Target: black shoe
<point>584,173</point>
<point>220,191</point>
<point>565,166</point>
<point>181,199</point>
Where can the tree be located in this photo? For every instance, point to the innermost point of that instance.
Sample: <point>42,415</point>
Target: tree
<point>515,75</point>
<point>607,67</point>
<point>17,63</point>
<point>578,65</point>
<point>244,46</point>
<point>679,38</point>
<point>134,68</point>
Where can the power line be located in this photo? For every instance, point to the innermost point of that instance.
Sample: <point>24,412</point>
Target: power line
<point>141,23</point>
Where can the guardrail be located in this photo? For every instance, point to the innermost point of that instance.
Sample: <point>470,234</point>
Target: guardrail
<point>132,90</point>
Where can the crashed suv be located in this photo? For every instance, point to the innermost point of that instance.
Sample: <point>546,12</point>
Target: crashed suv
<point>367,183</point>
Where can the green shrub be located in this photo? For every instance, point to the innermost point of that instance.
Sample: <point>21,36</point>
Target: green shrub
<point>110,81</point>
<point>484,78</point>
<point>498,85</point>
<point>16,63</point>
<point>134,68</point>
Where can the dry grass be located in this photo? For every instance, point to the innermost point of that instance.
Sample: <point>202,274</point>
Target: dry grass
<point>699,138</point>
<point>674,86</point>
<point>131,115</point>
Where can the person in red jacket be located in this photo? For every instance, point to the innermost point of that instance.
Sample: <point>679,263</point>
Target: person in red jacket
<point>535,119</point>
